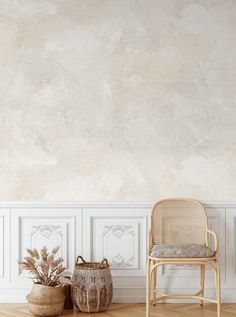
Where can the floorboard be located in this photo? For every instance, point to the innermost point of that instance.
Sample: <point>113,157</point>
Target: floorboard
<point>134,310</point>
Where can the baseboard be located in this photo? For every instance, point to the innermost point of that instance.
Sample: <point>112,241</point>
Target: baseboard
<point>132,295</point>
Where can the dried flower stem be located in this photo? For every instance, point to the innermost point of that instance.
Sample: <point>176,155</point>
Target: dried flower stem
<point>45,269</point>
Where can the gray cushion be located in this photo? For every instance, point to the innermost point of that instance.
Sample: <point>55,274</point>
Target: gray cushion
<point>181,251</point>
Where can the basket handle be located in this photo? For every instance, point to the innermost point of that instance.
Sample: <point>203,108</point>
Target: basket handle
<point>80,258</point>
<point>67,280</point>
<point>104,263</point>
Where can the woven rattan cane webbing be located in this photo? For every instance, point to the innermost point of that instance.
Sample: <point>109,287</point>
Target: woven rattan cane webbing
<point>177,221</point>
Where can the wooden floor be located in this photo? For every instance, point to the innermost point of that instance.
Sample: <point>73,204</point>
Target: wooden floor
<point>134,310</point>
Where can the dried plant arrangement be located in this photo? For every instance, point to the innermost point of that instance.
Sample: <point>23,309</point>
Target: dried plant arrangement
<point>44,267</point>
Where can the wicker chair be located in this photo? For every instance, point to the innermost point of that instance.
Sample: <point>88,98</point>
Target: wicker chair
<point>179,234</point>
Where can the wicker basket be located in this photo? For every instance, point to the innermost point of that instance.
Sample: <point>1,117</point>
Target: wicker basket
<point>92,288</point>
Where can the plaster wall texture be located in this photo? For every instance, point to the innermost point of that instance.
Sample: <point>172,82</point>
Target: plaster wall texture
<point>126,100</point>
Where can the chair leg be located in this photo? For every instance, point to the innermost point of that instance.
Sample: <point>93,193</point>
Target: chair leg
<point>217,285</point>
<point>154,285</point>
<point>218,295</point>
<point>148,281</point>
<point>202,281</point>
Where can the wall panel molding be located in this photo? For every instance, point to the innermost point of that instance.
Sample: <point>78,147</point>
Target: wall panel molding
<point>4,246</point>
<point>117,231</point>
<point>118,234</point>
<point>35,228</point>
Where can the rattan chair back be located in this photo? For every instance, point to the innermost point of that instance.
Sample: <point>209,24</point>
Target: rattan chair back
<point>179,221</point>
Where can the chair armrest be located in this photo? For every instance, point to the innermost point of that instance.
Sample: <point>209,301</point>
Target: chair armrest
<point>215,239</point>
<point>149,240</point>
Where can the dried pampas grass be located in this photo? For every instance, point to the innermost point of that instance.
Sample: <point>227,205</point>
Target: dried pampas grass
<point>43,266</point>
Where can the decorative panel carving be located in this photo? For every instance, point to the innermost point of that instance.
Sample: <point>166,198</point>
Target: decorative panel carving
<point>48,235</point>
<point>119,236</point>
<point>119,242</point>
<point>50,228</point>
<point>114,237</point>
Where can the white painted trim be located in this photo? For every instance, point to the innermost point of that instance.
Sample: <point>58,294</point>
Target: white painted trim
<point>104,204</point>
<point>129,286</point>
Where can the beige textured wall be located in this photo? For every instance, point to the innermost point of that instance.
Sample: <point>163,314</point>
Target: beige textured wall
<point>123,100</point>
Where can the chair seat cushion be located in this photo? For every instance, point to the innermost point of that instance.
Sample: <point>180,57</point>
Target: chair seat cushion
<point>181,251</point>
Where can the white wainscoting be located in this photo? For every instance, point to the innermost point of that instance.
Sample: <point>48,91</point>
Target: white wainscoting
<point>118,234</point>
<point>116,231</point>
<point>4,246</point>
<point>36,227</point>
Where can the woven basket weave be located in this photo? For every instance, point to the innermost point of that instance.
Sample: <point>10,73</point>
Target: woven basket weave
<point>92,288</point>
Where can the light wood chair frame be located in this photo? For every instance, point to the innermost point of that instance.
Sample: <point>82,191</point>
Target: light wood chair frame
<point>152,293</point>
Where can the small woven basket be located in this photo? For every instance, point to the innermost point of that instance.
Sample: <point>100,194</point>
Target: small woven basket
<point>92,288</point>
